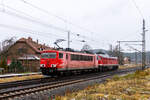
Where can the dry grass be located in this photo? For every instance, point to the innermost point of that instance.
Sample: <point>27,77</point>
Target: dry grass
<point>128,66</point>
<point>130,87</point>
<point>11,79</point>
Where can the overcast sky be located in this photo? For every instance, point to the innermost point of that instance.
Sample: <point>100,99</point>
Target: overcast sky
<point>103,22</point>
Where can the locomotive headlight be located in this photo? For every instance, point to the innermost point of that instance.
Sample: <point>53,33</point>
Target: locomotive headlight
<point>42,65</point>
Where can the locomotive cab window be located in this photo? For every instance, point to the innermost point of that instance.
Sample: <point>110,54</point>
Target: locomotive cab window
<point>48,55</point>
<point>60,55</point>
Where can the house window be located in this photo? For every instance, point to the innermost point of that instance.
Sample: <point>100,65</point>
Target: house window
<point>41,49</point>
<point>22,50</point>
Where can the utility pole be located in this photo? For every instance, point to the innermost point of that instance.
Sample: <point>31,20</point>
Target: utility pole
<point>136,57</point>
<point>119,43</point>
<point>149,60</point>
<point>143,47</point>
<point>68,40</point>
<point>119,53</point>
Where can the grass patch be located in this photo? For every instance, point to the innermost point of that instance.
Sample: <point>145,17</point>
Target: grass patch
<point>128,66</point>
<point>134,86</point>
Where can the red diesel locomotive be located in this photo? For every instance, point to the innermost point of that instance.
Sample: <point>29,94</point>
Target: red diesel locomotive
<point>54,62</point>
<point>107,63</point>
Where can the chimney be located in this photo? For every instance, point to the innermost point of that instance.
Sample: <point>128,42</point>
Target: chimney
<point>29,38</point>
<point>37,41</point>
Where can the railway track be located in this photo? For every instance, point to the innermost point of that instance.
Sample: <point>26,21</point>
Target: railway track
<point>24,82</point>
<point>28,89</point>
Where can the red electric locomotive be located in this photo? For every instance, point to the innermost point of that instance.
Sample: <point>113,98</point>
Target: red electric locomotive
<point>55,61</point>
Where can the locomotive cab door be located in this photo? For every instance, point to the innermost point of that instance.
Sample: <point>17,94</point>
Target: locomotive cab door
<point>67,61</point>
<point>95,61</point>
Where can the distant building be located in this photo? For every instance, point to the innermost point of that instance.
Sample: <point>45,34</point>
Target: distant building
<point>27,52</point>
<point>126,60</point>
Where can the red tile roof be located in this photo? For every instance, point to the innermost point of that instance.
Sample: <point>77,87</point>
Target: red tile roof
<point>34,45</point>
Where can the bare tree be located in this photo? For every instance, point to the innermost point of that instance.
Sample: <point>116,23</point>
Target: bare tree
<point>114,51</point>
<point>7,43</point>
<point>86,47</point>
<point>5,46</point>
<point>110,51</point>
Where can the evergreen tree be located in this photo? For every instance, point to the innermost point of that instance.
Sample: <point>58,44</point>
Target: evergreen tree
<point>3,64</point>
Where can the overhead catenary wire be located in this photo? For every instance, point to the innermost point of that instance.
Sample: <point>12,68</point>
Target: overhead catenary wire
<point>61,18</point>
<point>2,3</point>
<point>34,32</point>
<point>143,37</point>
<point>30,31</point>
<point>30,18</point>
<point>138,8</point>
<point>54,15</point>
<point>36,20</point>
<point>133,48</point>
<point>45,11</point>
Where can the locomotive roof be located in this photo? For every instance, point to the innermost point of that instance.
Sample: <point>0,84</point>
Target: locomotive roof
<point>104,55</point>
<point>75,52</point>
<point>107,56</point>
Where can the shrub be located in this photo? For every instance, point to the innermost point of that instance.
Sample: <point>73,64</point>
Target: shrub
<point>16,66</point>
<point>116,78</point>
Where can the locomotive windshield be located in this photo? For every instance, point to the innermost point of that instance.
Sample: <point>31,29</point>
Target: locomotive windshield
<point>48,55</point>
